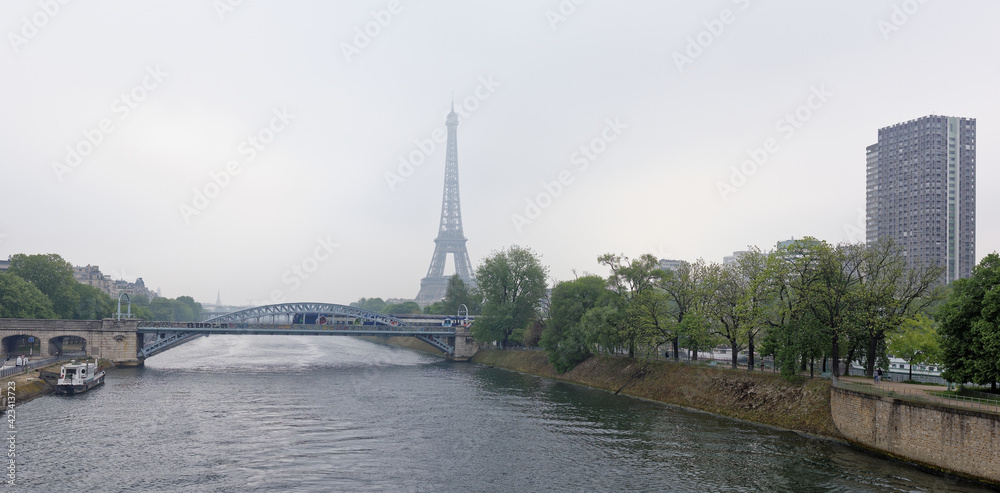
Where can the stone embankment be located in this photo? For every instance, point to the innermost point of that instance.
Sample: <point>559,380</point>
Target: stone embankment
<point>763,398</point>
<point>954,439</point>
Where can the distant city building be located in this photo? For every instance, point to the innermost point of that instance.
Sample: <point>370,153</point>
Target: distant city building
<point>734,257</point>
<point>91,275</point>
<point>785,243</point>
<point>667,264</point>
<point>921,191</point>
<point>4,265</point>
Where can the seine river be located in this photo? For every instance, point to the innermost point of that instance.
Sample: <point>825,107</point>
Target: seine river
<point>256,413</point>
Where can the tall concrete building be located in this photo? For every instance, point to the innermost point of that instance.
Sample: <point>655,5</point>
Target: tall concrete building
<point>922,191</point>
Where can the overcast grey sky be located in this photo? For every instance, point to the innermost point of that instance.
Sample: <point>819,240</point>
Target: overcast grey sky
<point>204,145</point>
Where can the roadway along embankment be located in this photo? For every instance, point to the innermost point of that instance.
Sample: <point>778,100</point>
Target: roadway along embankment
<point>763,398</point>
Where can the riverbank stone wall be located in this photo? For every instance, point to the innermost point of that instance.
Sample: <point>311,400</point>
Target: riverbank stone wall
<point>957,440</point>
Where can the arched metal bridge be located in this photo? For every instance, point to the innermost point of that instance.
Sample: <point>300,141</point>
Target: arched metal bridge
<point>300,319</point>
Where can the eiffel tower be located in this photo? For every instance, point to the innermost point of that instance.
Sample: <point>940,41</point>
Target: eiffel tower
<point>450,238</point>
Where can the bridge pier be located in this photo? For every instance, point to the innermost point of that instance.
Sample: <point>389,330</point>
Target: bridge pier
<point>465,346</point>
<point>117,341</point>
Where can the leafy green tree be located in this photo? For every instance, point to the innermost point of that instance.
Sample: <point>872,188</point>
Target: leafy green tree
<point>181,312</point>
<point>794,335</point>
<point>728,318</point>
<point>161,309</point>
<point>970,326</point>
<point>888,294</point>
<point>600,326</point>
<point>828,286</point>
<point>642,320</point>
<point>436,308</point>
<point>531,335</point>
<point>182,309</point>
<point>140,307</point>
<point>684,288</point>
<point>755,275</point>
<point>403,308</point>
<point>564,338</point>
<point>513,284</point>
<point>458,294</point>
<point>142,312</point>
<point>195,309</point>
<point>93,303</point>
<point>52,275</point>
<point>915,342</point>
<point>21,299</point>
<point>372,304</point>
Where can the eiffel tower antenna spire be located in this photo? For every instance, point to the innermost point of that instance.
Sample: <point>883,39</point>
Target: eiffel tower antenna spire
<point>451,238</point>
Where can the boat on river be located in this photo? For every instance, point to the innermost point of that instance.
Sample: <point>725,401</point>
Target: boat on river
<point>75,378</point>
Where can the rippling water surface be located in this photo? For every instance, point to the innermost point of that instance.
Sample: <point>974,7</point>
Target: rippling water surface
<point>276,413</point>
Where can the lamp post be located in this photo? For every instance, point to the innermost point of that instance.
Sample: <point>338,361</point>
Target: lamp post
<point>129,309</point>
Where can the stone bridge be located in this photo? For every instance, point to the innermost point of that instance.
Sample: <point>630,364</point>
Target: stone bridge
<point>111,339</point>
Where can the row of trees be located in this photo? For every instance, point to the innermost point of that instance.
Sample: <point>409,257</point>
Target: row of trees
<point>970,326</point>
<point>803,302</point>
<point>457,294</point>
<point>42,286</point>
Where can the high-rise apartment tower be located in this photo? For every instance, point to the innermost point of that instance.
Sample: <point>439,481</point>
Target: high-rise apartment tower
<point>922,191</point>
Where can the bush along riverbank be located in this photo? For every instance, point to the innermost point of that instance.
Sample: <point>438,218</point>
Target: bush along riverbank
<point>764,398</point>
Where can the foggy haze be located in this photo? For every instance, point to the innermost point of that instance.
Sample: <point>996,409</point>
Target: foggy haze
<point>293,148</point>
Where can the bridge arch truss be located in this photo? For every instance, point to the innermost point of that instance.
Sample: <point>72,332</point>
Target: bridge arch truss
<point>281,319</point>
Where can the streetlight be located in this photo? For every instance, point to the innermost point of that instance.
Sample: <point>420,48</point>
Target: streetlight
<point>465,318</point>
<point>127,300</point>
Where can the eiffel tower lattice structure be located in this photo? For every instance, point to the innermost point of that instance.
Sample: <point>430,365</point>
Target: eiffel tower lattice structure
<point>450,239</point>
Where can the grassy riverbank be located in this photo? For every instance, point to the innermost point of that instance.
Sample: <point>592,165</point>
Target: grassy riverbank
<point>763,398</point>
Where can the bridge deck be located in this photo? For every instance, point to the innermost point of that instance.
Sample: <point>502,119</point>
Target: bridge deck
<point>294,329</point>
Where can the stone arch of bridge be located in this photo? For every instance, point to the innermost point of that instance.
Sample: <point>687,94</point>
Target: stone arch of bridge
<point>48,344</point>
<point>64,344</point>
<point>11,343</point>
